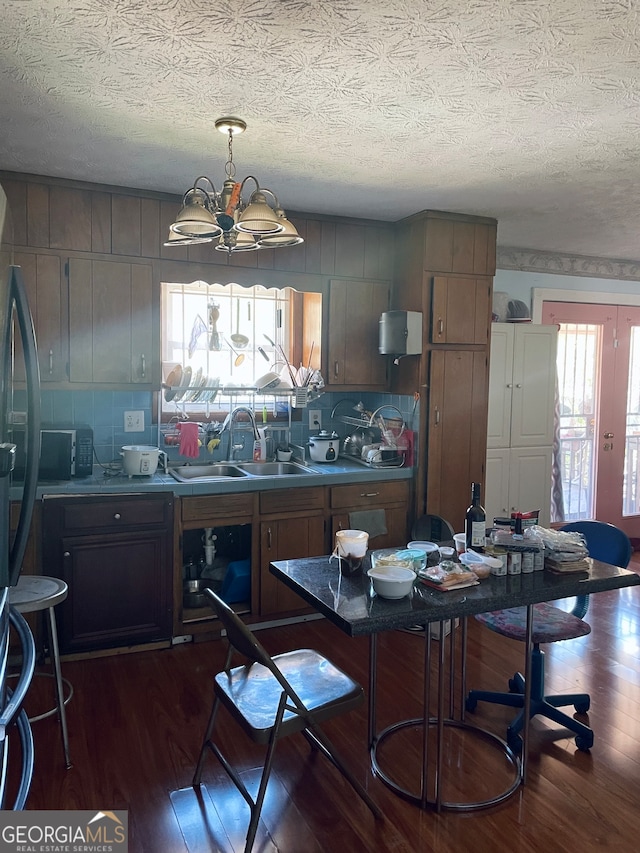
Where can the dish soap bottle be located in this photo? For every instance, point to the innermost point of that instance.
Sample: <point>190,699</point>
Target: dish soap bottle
<point>475,522</point>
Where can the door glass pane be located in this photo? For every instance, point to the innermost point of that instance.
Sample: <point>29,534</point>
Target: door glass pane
<point>630,496</point>
<point>578,356</point>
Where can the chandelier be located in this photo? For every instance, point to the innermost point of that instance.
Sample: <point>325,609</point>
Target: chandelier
<point>237,224</point>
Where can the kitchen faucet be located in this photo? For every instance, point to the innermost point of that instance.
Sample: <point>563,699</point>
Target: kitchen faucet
<point>229,424</point>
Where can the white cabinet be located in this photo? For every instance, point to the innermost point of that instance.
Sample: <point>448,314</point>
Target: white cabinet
<point>522,376</point>
<point>518,479</point>
<point>522,380</point>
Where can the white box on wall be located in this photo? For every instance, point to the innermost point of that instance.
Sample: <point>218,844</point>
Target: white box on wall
<point>400,333</point>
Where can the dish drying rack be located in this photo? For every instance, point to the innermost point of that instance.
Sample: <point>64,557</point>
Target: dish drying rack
<point>300,397</point>
<point>393,462</point>
<point>367,420</point>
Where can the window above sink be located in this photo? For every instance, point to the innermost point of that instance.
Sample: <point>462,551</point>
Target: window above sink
<point>215,335</point>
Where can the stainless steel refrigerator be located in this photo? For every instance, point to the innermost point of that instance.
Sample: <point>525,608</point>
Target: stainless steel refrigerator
<point>16,742</point>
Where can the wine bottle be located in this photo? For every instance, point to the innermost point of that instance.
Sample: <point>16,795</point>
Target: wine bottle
<point>475,521</point>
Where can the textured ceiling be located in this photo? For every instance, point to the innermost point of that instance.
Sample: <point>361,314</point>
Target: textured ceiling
<point>523,110</point>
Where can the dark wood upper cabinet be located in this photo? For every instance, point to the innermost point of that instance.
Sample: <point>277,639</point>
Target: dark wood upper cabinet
<point>353,333</point>
<point>460,310</point>
<point>46,292</point>
<point>111,320</point>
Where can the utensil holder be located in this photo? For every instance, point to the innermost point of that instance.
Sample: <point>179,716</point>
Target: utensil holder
<point>300,398</point>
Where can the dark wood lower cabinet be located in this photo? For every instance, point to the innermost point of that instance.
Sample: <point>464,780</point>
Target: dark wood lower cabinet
<point>115,555</point>
<point>122,555</point>
<point>286,539</point>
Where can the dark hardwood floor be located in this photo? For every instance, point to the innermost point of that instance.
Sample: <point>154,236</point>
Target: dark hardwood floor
<point>136,722</point>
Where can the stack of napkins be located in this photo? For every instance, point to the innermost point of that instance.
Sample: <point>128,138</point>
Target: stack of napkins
<point>442,579</point>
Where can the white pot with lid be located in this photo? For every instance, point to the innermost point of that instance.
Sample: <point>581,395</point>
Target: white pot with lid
<point>324,447</point>
<point>141,460</point>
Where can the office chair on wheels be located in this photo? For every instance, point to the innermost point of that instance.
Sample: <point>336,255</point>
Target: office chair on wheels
<point>604,542</point>
<point>271,698</point>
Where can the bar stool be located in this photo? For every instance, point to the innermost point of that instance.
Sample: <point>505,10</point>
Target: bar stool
<point>33,593</point>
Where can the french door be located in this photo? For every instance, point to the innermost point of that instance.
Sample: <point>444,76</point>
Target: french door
<point>599,403</point>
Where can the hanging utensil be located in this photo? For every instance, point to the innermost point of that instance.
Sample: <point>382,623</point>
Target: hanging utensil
<point>263,354</point>
<point>239,340</point>
<point>239,355</point>
<point>214,316</point>
<point>269,341</point>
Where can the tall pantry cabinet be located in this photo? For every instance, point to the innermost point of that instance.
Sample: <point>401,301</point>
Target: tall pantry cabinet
<point>520,432</point>
<point>445,263</point>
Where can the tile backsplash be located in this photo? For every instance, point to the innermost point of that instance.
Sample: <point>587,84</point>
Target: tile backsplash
<point>104,411</point>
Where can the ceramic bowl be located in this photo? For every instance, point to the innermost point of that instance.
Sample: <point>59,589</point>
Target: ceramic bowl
<point>392,581</point>
<point>267,380</point>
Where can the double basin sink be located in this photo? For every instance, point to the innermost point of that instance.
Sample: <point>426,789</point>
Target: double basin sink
<point>226,470</point>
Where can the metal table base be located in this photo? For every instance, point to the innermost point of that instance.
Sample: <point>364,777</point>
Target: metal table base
<point>444,718</point>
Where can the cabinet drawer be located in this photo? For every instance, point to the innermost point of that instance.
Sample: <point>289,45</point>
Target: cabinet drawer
<point>292,500</point>
<point>369,494</point>
<point>90,516</point>
<point>216,506</point>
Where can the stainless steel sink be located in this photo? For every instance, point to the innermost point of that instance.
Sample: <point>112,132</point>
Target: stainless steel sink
<point>272,469</point>
<point>214,471</point>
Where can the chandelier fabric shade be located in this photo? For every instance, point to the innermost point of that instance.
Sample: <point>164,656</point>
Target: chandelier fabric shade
<point>238,225</point>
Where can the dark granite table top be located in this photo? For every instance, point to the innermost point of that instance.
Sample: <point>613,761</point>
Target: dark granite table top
<point>352,605</point>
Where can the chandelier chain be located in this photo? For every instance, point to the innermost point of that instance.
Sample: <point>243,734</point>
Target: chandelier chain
<point>230,166</point>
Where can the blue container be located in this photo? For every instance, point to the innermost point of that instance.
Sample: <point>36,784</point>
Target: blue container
<point>236,585</point>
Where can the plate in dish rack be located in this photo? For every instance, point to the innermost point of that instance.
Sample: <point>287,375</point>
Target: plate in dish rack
<point>173,381</point>
<point>186,379</point>
<point>194,385</point>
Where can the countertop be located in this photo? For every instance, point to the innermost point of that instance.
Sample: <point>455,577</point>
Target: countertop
<point>343,471</point>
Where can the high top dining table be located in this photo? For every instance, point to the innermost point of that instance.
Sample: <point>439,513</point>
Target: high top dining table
<point>351,604</point>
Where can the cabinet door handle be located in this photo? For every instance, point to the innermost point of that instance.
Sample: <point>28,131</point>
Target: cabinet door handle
<point>369,494</point>
<point>67,554</point>
<point>269,538</point>
<point>518,385</point>
<point>144,366</point>
<point>336,369</point>
<point>116,515</point>
<point>509,385</point>
<point>437,416</point>
<point>50,362</point>
<point>440,326</point>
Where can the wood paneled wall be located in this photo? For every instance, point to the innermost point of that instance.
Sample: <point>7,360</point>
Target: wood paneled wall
<point>66,216</point>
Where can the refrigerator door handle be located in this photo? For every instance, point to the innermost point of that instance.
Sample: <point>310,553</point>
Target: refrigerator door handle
<point>18,294</point>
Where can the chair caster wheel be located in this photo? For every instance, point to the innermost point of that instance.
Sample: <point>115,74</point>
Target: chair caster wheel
<point>584,742</point>
<point>582,707</point>
<point>470,704</point>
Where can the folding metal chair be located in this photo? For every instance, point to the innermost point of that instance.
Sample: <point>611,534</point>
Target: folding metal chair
<point>271,698</point>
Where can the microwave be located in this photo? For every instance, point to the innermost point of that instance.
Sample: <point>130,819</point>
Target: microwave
<point>65,452</point>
